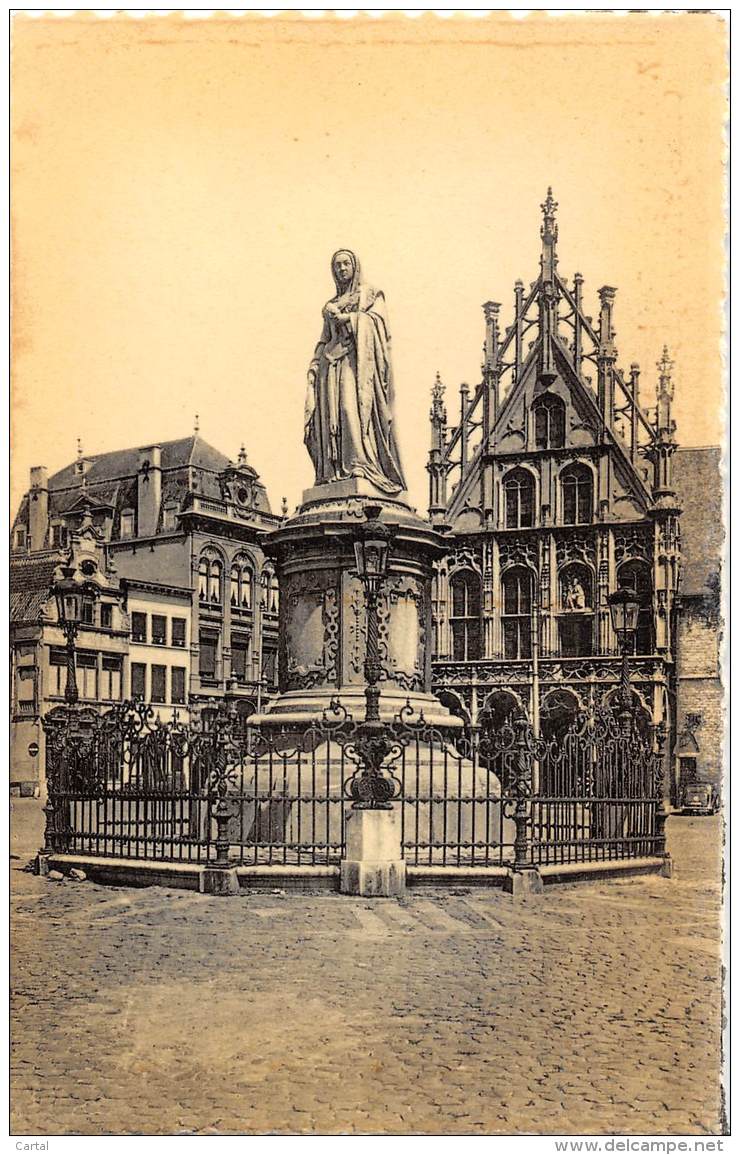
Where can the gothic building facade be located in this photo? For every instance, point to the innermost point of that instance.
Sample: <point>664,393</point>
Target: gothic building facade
<point>556,490</point>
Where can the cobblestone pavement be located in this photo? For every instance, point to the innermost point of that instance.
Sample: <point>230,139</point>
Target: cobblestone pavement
<point>592,1008</point>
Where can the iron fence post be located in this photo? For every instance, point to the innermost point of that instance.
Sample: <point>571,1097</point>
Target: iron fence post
<point>524,877</point>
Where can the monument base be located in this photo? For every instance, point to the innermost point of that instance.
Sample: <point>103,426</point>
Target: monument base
<point>351,487</point>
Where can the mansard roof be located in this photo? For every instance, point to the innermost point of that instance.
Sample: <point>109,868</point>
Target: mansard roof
<point>124,463</point>
<point>698,482</point>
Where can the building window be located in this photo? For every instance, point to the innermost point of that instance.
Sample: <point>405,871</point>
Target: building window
<point>178,633</point>
<point>269,667</point>
<point>57,671</point>
<point>159,683</point>
<point>578,495</point>
<point>270,598</point>
<point>465,616</point>
<point>138,681</point>
<point>159,630</point>
<point>169,516</point>
<point>127,523</point>
<point>20,537</point>
<point>138,627</point>
<point>87,675</point>
<point>210,572</point>
<point>207,655</point>
<point>58,536</point>
<point>519,499</point>
<point>635,576</point>
<point>549,422</point>
<point>516,617</point>
<point>240,657</point>
<point>88,612</point>
<point>242,584</point>
<point>110,688</point>
<point>177,685</point>
<point>106,617</point>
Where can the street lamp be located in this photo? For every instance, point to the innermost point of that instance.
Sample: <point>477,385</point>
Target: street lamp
<point>624,607</point>
<point>70,596</point>
<point>371,787</point>
<point>371,555</point>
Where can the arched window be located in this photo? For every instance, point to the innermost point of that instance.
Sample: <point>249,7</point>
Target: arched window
<point>519,499</point>
<point>635,576</point>
<point>241,584</point>
<point>203,571</point>
<point>499,708</point>
<point>578,495</point>
<point>214,581</point>
<point>465,616</point>
<point>549,422</point>
<point>269,593</point>
<point>575,622</point>
<point>516,616</point>
<point>558,713</point>
<point>273,595</point>
<point>210,574</point>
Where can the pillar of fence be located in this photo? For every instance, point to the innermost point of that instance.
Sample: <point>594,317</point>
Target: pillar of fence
<point>524,876</point>
<point>661,814</point>
<point>57,725</point>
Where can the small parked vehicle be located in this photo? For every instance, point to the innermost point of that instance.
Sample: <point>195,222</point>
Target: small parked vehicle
<point>699,798</point>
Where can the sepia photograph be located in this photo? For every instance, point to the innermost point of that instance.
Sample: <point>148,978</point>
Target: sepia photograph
<point>369,506</point>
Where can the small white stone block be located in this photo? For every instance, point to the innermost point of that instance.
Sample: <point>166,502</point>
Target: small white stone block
<point>373,835</point>
<point>373,865</point>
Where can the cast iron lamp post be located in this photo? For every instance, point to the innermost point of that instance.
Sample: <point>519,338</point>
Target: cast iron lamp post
<point>624,607</point>
<point>70,596</point>
<point>371,789</point>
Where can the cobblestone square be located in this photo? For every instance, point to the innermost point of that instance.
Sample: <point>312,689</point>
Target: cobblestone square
<point>591,1008</point>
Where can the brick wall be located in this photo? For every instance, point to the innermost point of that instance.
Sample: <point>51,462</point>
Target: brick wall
<point>700,689</point>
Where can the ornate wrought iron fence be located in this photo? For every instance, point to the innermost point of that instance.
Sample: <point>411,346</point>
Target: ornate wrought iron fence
<point>123,784</point>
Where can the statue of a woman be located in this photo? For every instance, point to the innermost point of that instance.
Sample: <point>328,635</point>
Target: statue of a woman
<point>349,427</point>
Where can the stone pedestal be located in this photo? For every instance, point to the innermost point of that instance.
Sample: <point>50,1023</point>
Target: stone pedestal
<point>322,609</point>
<point>372,865</point>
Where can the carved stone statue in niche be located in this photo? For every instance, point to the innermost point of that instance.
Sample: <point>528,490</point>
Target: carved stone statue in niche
<point>574,596</point>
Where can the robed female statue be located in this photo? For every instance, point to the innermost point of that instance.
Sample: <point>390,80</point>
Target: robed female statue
<point>349,426</point>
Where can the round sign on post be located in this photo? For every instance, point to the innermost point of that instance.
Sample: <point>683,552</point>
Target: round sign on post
<point>33,749</point>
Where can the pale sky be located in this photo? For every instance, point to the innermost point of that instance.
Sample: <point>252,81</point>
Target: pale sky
<point>179,188</point>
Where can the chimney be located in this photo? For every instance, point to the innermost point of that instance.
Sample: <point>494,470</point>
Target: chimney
<point>38,507</point>
<point>149,491</point>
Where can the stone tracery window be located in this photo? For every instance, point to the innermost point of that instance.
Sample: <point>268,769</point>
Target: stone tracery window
<point>465,616</point>
<point>516,615</point>
<point>519,499</point>
<point>577,484</point>
<point>549,422</point>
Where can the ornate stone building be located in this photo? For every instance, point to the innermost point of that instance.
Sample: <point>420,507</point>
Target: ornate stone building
<point>179,524</point>
<point>561,492</point>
